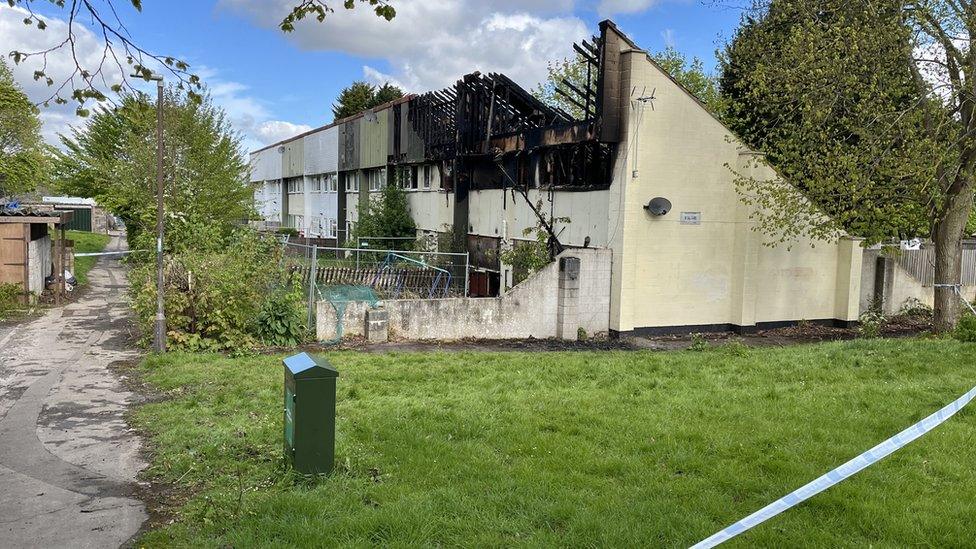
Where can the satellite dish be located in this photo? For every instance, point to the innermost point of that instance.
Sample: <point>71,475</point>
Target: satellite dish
<point>281,149</point>
<point>370,116</point>
<point>658,206</point>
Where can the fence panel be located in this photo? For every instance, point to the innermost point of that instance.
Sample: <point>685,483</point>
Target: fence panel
<point>921,264</point>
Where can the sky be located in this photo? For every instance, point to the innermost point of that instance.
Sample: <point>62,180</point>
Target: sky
<point>275,85</point>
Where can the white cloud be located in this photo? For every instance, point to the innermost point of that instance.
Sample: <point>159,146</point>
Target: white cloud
<point>612,7</point>
<point>246,114</point>
<point>429,45</point>
<point>273,131</point>
<point>14,35</point>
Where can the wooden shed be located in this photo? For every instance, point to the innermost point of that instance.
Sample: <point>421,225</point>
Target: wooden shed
<point>28,254</point>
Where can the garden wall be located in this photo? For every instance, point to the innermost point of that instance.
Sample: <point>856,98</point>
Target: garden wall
<point>888,284</point>
<point>550,303</point>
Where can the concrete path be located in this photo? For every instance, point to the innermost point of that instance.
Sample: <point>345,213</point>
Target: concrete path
<point>68,460</point>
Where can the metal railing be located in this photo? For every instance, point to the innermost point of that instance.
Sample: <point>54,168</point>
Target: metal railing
<point>390,274</point>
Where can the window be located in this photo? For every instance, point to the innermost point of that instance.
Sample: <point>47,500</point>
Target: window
<point>333,229</point>
<point>315,184</point>
<point>426,177</point>
<point>413,176</point>
<point>376,179</point>
<point>332,182</point>
<point>295,186</point>
<point>352,182</point>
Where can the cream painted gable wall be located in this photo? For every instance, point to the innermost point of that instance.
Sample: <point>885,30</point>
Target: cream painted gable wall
<point>717,272</point>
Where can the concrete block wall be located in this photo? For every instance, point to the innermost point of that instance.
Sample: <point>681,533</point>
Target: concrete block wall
<point>893,286</point>
<point>531,309</point>
<point>567,307</point>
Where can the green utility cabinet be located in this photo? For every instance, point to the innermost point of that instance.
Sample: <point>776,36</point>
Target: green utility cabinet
<point>310,408</point>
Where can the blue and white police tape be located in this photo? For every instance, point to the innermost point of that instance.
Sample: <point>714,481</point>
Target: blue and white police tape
<point>853,466</point>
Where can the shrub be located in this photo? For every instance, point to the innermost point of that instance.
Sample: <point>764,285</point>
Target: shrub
<point>9,294</point>
<point>386,215</point>
<point>870,324</point>
<point>966,329</point>
<point>215,293</point>
<point>282,320</point>
<point>531,255</point>
<point>914,307</point>
<point>698,343</point>
<point>287,231</point>
<point>737,348</point>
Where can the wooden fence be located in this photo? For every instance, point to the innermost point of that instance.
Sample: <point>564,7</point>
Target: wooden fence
<point>385,281</point>
<point>921,264</point>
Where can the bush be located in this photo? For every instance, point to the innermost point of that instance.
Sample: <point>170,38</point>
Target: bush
<point>736,348</point>
<point>282,321</point>
<point>287,231</point>
<point>215,293</point>
<point>870,324</point>
<point>698,343</point>
<point>386,215</point>
<point>966,329</point>
<point>9,294</point>
<point>914,307</point>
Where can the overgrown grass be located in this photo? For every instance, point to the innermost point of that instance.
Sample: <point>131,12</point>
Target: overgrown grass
<point>590,448</point>
<point>86,243</point>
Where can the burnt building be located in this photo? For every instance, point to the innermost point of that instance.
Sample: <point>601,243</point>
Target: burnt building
<point>639,167</point>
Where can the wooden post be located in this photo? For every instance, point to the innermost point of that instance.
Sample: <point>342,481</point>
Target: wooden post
<point>61,285</point>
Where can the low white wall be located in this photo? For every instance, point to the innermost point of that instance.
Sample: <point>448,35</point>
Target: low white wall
<point>905,287</point>
<point>528,310</point>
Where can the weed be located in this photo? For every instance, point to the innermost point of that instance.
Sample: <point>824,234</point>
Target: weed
<point>9,295</point>
<point>698,343</point>
<point>966,329</point>
<point>735,347</point>
<point>915,307</point>
<point>870,324</point>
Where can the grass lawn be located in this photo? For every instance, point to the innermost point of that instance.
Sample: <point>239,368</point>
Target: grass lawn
<point>584,449</point>
<point>86,243</point>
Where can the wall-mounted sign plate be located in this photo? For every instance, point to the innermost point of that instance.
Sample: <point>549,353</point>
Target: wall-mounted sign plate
<point>691,218</point>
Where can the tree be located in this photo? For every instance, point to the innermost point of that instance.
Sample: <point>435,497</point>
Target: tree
<point>112,158</point>
<point>360,96</point>
<point>386,93</point>
<point>691,75</point>
<point>841,98</point>
<point>122,54</point>
<point>23,161</point>
<point>386,215</point>
<point>572,70</point>
<point>354,99</point>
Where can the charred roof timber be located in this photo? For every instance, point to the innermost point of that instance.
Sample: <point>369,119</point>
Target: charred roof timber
<point>490,118</point>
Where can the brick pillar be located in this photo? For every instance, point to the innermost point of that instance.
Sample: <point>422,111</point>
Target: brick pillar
<point>567,311</point>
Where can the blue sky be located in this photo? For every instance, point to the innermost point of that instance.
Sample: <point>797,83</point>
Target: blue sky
<point>274,85</point>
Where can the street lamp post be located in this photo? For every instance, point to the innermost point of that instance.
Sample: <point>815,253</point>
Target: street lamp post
<point>159,336</point>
